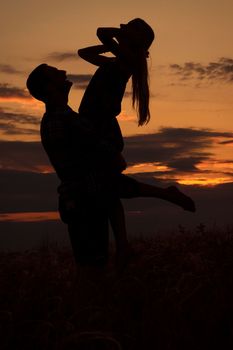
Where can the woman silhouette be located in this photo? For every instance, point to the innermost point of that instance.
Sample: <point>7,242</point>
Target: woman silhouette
<point>101,104</point>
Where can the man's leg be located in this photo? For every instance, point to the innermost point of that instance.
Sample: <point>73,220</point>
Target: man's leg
<point>89,233</point>
<point>89,237</point>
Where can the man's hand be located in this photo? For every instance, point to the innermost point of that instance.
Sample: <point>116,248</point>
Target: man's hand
<point>114,163</point>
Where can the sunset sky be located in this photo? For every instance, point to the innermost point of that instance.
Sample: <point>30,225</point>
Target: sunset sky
<point>189,139</point>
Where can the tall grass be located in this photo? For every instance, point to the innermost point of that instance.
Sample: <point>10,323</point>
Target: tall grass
<point>176,293</point>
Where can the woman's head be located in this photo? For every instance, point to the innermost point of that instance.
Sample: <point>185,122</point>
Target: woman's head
<point>138,34</point>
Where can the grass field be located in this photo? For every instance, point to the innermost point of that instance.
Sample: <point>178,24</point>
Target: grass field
<point>176,293</point>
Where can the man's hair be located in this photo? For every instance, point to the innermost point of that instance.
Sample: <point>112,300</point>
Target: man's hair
<point>37,81</point>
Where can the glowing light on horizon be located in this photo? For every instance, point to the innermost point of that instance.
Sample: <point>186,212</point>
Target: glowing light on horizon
<point>204,181</point>
<point>29,216</point>
<point>39,169</point>
<point>211,173</point>
<point>146,167</point>
<point>44,169</point>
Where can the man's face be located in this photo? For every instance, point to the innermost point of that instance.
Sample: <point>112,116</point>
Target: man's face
<point>57,79</point>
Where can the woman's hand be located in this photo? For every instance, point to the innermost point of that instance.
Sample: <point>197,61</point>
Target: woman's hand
<point>107,35</point>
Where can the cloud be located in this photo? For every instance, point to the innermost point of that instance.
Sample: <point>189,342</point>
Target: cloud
<point>187,164</point>
<point>62,56</point>
<point>227,142</point>
<point>80,81</point>
<point>8,69</point>
<point>30,192</point>
<point>19,118</point>
<point>8,91</point>
<point>18,124</point>
<point>23,156</point>
<point>24,188</point>
<point>180,149</point>
<point>222,70</point>
<point>23,191</point>
<point>11,129</point>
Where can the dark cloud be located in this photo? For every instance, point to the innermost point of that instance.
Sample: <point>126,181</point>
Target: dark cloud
<point>226,142</point>
<point>27,191</point>
<point>80,80</point>
<point>9,91</point>
<point>187,164</point>
<point>19,118</point>
<point>6,68</point>
<point>181,149</point>
<point>11,129</point>
<point>24,189</point>
<point>18,124</point>
<point>28,156</point>
<point>222,70</point>
<point>62,56</point>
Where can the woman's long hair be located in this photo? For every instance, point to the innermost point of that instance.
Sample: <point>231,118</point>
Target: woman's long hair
<point>140,89</point>
<point>143,38</point>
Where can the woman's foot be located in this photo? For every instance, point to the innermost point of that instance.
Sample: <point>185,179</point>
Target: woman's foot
<point>174,195</point>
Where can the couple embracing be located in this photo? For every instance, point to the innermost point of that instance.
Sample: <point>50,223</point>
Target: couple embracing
<point>85,148</point>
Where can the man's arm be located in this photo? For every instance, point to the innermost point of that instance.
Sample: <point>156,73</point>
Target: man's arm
<point>84,137</point>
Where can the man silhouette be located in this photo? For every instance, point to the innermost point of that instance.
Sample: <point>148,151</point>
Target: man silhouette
<point>71,145</point>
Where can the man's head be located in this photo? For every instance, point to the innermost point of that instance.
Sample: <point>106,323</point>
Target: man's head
<point>47,83</point>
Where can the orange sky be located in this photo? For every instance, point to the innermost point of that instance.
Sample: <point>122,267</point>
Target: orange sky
<point>191,72</point>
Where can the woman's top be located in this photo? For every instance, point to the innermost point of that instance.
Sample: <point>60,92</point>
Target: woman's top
<point>101,102</point>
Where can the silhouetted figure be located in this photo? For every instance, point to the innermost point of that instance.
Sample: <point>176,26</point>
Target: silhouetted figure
<point>85,148</point>
<point>101,104</point>
<point>72,147</point>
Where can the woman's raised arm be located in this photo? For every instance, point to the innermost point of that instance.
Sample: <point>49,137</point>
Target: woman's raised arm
<point>107,35</point>
<point>93,54</point>
<point>121,47</point>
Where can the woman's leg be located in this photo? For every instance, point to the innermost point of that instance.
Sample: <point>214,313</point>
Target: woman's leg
<point>131,188</point>
<point>117,220</point>
<point>171,194</point>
